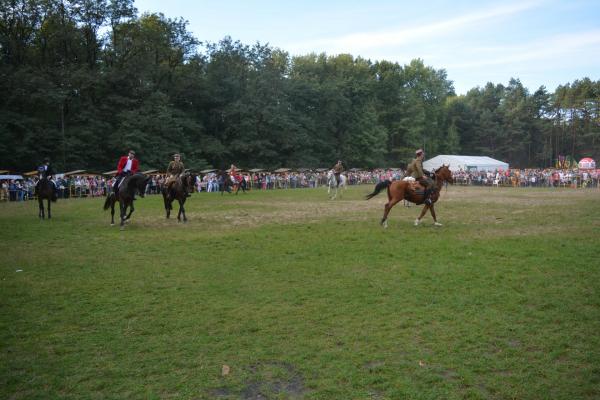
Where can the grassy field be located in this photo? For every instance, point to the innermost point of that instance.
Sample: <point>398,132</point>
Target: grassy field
<point>304,298</point>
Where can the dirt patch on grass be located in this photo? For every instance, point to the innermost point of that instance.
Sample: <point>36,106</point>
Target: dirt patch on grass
<point>277,212</point>
<point>273,379</point>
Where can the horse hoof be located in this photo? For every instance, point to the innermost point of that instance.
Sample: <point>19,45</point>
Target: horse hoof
<point>417,222</point>
<point>112,224</point>
<point>437,224</point>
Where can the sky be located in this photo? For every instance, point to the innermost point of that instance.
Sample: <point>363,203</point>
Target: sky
<point>540,42</point>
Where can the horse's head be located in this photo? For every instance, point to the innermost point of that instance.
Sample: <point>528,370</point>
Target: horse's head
<point>444,173</point>
<point>141,181</point>
<point>188,180</point>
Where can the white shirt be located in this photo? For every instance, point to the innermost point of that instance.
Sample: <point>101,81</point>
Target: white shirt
<point>128,165</point>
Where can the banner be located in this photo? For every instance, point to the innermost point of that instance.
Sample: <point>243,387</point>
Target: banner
<point>566,162</point>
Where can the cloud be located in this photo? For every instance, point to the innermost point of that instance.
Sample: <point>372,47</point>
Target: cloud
<point>357,42</point>
<point>557,47</point>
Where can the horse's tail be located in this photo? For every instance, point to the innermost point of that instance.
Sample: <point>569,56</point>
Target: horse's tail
<point>108,201</point>
<point>378,188</point>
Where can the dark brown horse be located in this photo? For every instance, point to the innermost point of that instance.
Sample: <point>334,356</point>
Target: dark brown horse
<point>179,190</point>
<point>45,190</point>
<point>403,190</point>
<point>128,188</point>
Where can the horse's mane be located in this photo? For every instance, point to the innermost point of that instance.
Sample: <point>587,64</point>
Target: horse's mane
<point>133,183</point>
<point>442,167</point>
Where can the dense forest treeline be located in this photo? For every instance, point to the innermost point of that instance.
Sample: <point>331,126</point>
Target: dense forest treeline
<point>82,81</point>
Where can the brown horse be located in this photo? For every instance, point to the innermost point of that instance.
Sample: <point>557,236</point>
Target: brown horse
<point>403,190</point>
<point>179,190</point>
<point>45,190</point>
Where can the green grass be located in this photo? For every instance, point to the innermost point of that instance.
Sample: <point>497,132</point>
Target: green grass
<point>305,298</point>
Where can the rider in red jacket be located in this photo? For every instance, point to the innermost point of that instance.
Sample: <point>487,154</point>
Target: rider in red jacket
<point>128,165</point>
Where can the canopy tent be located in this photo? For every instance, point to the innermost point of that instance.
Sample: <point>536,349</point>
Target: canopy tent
<point>321,169</point>
<point>9,177</point>
<point>280,170</point>
<point>30,173</point>
<point>207,171</point>
<point>466,163</point>
<point>76,172</point>
<point>152,172</point>
<point>255,170</point>
<point>4,171</point>
<point>587,163</point>
<point>110,173</point>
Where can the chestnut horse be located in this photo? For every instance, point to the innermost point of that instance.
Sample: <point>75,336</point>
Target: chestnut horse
<point>402,190</point>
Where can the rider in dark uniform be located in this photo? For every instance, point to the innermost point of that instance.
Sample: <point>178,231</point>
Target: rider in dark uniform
<point>45,171</point>
<point>174,171</point>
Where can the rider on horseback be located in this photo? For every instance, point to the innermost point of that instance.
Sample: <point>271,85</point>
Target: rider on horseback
<point>337,170</point>
<point>46,171</point>
<point>128,165</point>
<point>415,169</point>
<point>175,170</point>
<point>233,173</point>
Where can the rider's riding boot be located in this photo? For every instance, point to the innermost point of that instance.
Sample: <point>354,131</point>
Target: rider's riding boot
<point>427,196</point>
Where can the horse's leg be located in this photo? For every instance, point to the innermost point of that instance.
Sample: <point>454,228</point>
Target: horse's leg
<point>432,210</point>
<point>49,201</point>
<point>112,212</point>
<point>388,207</point>
<point>131,210</point>
<point>167,204</point>
<point>123,209</point>
<point>41,208</point>
<point>423,211</point>
<point>179,212</point>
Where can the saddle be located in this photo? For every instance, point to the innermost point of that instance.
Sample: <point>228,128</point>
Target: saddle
<point>414,185</point>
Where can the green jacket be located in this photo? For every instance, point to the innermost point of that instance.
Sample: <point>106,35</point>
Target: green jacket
<point>415,169</point>
<point>175,168</point>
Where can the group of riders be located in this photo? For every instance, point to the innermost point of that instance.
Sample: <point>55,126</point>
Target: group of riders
<point>129,165</point>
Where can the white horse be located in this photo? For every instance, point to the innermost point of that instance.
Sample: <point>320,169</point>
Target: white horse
<point>332,185</point>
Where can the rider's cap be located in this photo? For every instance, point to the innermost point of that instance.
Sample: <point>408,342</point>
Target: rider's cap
<point>132,152</point>
<point>176,155</point>
<point>419,152</point>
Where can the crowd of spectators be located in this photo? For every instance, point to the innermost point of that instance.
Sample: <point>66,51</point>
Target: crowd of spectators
<point>548,177</point>
<point>95,186</point>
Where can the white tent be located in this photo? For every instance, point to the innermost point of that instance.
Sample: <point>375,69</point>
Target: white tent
<point>9,177</point>
<point>466,163</point>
